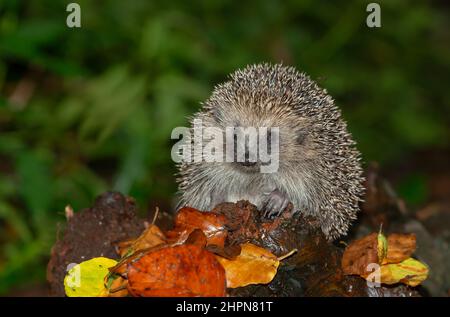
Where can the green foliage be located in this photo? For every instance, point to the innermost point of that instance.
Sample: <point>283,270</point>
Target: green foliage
<point>414,188</point>
<point>91,109</point>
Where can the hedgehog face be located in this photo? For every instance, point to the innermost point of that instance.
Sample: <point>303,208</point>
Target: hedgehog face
<point>287,140</point>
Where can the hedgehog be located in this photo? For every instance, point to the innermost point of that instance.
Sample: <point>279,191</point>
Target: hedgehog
<point>319,170</point>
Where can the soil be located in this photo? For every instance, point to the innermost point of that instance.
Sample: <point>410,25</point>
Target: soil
<point>93,232</point>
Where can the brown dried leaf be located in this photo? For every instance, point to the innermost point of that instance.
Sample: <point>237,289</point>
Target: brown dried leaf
<point>151,237</point>
<point>359,254</point>
<point>399,247</point>
<point>198,238</point>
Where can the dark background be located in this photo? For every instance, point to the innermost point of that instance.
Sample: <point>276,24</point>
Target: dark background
<point>91,109</point>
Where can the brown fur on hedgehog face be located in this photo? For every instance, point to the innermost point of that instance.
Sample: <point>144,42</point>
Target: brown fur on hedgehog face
<point>319,169</point>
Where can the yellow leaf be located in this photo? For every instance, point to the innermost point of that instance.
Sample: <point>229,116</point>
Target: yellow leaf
<point>254,265</point>
<point>410,272</point>
<point>87,278</point>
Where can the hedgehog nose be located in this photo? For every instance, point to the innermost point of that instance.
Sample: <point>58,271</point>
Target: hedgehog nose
<point>248,164</point>
<point>247,161</point>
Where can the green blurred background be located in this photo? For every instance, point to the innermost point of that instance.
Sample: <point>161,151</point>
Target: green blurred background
<point>91,109</point>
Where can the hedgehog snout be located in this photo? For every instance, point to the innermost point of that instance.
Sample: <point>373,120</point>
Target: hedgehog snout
<point>248,164</point>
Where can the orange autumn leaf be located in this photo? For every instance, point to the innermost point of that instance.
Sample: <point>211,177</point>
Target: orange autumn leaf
<point>188,219</point>
<point>182,270</point>
<point>254,265</point>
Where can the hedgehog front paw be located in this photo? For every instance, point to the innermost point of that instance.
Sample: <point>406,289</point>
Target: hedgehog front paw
<point>274,204</point>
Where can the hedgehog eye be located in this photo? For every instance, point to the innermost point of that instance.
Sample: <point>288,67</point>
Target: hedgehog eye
<point>300,139</point>
<point>269,136</point>
<point>269,140</point>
